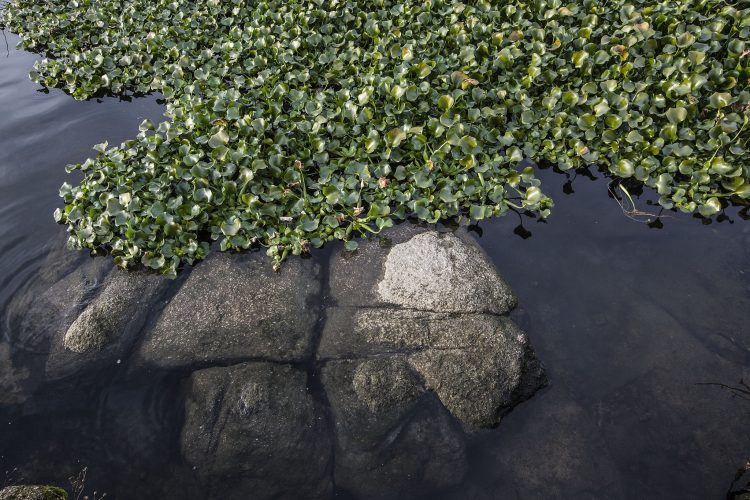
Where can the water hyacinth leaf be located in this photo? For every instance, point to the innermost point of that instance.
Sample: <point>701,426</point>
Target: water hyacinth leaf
<point>231,226</point>
<point>711,207</point>
<point>153,261</point>
<point>445,102</point>
<point>719,99</point>
<point>579,58</point>
<point>676,115</point>
<point>309,224</point>
<point>291,124</point>
<point>613,121</point>
<point>743,191</point>
<point>395,136</point>
<point>220,138</point>
<point>534,195</point>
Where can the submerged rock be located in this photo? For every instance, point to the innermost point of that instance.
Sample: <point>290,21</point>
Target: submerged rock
<point>393,439</point>
<point>109,325</point>
<point>121,304</point>
<point>440,304</point>
<point>363,379</point>
<point>235,307</point>
<point>50,303</point>
<point>479,365</point>
<point>11,378</point>
<point>38,315</point>
<point>418,328</point>
<point>480,381</point>
<point>253,427</point>
<point>33,493</point>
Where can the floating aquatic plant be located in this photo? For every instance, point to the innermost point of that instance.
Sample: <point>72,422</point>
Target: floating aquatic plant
<point>293,123</point>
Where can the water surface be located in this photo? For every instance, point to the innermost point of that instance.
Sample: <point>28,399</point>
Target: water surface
<point>643,332</point>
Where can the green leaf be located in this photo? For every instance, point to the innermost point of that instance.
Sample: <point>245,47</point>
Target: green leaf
<point>220,138</point>
<point>395,136</point>
<point>309,225</point>
<point>711,207</point>
<point>284,120</point>
<point>478,212</point>
<point>231,226</point>
<point>720,100</point>
<point>676,115</point>
<point>514,154</point>
<point>579,58</point>
<point>445,102</point>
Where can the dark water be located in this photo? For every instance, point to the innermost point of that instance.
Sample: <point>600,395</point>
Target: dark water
<point>643,332</point>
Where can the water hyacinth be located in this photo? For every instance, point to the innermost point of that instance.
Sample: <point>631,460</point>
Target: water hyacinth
<point>293,123</point>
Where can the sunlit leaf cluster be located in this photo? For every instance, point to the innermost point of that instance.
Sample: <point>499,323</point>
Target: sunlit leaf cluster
<point>292,123</point>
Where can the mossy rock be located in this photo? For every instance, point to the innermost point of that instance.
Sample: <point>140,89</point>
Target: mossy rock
<point>33,493</point>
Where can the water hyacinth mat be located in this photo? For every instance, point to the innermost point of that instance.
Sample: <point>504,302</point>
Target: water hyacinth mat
<point>294,123</point>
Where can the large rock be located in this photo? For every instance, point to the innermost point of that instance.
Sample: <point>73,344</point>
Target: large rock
<point>50,303</point>
<point>38,315</point>
<point>440,272</point>
<point>419,325</point>
<point>105,331</point>
<point>33,493</point>
<point>253,429</point>
<point>480,365</point>
<point>420,269</point>
<point>121,305</point>
<point>235,308</point>
<point>438,302</point>
<point>363,381</point>
<point>483,371</point>
<point>393,439</point>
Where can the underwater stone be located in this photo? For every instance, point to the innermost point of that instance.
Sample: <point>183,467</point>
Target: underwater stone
<point>393,438</point>
<point>33,493</point>
<point>254,427</point>
<point>11,378</point>
<point>479,365</point>
<point>481,368</point>
<point>105,331</point>
<point>41,312</point>
<point>451,325</point>
<point>381,384</point>
<point>326,393</point>
<point>235,307</point>
<point>49,304</point>
<point>125,298</point>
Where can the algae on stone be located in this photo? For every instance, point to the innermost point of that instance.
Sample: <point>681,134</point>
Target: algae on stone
<point>33,493</point>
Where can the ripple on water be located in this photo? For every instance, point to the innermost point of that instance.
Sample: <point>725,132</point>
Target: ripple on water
<point>40,133</point>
